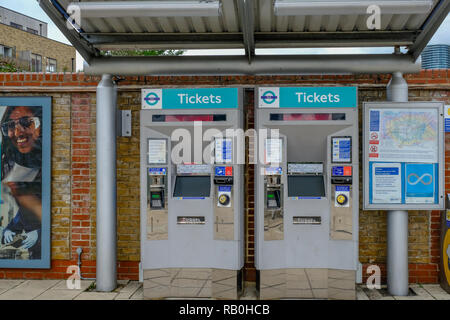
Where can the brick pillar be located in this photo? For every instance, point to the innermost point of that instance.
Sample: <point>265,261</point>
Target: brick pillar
<point>80,183</point>
<point>435,237</point>
<point>249,200</point>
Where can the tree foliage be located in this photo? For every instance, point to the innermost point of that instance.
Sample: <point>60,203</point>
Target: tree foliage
<point>7,66</point>
<point>13,65</point>
<point>120,53</point>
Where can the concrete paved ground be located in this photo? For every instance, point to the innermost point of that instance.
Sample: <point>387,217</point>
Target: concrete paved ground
<point>132,290</point>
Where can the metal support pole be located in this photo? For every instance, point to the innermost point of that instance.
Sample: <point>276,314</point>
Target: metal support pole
<point>106,185</point>
<point>397,221</point>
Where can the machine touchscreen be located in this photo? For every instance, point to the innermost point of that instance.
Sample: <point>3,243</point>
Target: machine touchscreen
<point>192,186</point>
<point>306,186</point>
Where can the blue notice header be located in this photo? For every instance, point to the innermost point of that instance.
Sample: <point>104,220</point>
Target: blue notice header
<point>386,171</point>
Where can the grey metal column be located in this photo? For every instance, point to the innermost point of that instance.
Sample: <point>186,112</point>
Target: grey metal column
<point>397,221</point>
<point>106,185</point>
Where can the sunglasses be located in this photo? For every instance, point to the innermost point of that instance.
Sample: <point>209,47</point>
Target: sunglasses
<point>24,122</point>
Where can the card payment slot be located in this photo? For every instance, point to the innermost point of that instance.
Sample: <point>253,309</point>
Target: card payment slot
<point>157,199</point>
<point>341,180</point>
<point>273,199</point>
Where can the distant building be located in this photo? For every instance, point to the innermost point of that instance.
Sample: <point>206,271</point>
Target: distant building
<point>436,57</point>
<point>24,39</point>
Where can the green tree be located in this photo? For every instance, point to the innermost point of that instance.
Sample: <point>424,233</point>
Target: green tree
<point>12,65</point>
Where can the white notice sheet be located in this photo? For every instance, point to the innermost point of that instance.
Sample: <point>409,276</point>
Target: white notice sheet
<point>386,183</point>
<point>157,151</point>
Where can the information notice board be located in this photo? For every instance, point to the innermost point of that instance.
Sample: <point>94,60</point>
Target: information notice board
<point>403,150</point>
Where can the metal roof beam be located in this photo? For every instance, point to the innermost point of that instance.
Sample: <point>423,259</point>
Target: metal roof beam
<point>260,40</point>
<point>134,9</point>
<point>261,65</point>
<point>331,39</point>
<point>81,45</point>
<point>429,28</point>
<point>245,8</point>
<point>355,7</point>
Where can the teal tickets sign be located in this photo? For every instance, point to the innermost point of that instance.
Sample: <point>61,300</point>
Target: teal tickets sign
<point>308,97</point>
<point>200,98</point>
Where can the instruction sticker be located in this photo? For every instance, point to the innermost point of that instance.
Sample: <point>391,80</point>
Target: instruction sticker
<point>341,149</point>
<point>157,149</point>
<point>223,150</point>
<point>273,148</point>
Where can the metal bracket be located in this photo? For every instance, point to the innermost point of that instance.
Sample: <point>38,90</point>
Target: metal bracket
<point>247,21</point>
<point>124,123</point>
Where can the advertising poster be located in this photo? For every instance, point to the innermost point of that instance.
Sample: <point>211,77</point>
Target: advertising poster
<point>420,183</point>
<point>24,203</point>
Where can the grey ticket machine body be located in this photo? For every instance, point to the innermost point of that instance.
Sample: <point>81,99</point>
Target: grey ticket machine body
<point>306,185</point>
<point>192,226</point>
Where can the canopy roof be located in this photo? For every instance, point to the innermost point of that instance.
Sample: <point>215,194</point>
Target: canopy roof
<point>247,24</point>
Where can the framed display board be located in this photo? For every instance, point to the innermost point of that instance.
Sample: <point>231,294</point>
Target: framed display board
<point>25,182</point>
<point>403,156</point>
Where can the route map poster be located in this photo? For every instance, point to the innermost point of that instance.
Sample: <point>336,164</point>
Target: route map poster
<point>397,134</point>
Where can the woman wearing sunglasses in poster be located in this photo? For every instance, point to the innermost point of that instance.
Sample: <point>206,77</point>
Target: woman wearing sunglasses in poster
<point>21,179</point>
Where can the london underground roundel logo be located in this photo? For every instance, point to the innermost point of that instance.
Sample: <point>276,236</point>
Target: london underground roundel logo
<point>152,98</point>
<point>269,97</point>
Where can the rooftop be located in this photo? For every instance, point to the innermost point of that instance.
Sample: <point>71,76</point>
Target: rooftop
<point>23,15</point>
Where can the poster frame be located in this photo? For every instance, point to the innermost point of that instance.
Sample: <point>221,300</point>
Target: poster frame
<point>46,103</point>
<point>439,106</point>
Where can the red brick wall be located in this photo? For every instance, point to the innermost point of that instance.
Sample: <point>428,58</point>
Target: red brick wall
<point>81,163</point>
<point>80,230</point>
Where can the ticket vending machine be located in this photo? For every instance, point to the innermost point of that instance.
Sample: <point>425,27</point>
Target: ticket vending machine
<point>192,225</point>
<point>306,192</point>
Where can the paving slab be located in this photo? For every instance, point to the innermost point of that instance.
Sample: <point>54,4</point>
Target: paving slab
<point>28,290</point>
<point>62,285</point>
<point>441,296</point>
<point>138,295</point>
<point>422,294</point>
<point>126,292</point>
<point>434,288</point>
<point>59,294</point>
<point>373,294</point>
<point>5,283</point>
<point>96,296</point>
<point>360,294</point>
<point>436,291</point>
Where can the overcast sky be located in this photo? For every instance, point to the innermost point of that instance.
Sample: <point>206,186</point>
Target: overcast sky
<point>31,8</point>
